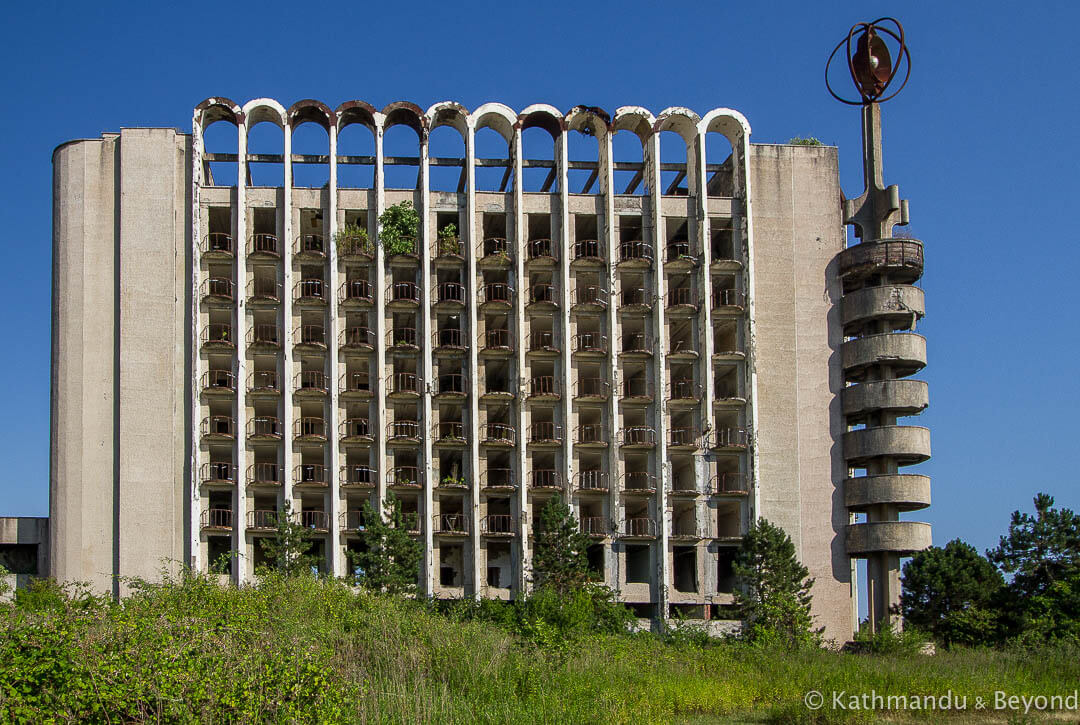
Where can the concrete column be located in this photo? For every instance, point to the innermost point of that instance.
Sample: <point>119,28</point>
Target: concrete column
<point>242,564</point>
<point>335,544</point>
<point>470,238</point>
<point>376,374</point>
<point>606,179</point>
<point>287,325</point>
<point>565,235</point>
<point>424,333</point>
<point>517,240</point>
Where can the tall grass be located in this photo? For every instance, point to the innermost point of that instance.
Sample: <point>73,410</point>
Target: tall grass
<point>307,650</point>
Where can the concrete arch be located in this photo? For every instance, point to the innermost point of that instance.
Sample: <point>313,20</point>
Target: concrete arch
<point>351,112</point>
<point>727,122</point>
<point>259,110</point>
<point>311,111</point>
<point>681,120</point>
<point>408,114</point>
<point>589,120</point>
<point>495,116</point>
<point>635,119</point>
<point>448,113</point>
<point>542,115</point>
<point>216,109</point>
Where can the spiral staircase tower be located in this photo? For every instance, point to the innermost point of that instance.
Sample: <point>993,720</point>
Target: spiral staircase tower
<point>880,308</point>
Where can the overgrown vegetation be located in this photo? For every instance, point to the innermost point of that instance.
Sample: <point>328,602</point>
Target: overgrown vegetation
<point>287,551</point>
<point>305,649</point>
<point>448,240</point>
<point>808,141</point>
<point>352,239</point>
<point>399,226</point>
<point>389,558</point>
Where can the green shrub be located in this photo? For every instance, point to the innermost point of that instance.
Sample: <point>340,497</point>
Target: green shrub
<point>352,239</point>
<point>399,226</point>
<point>808,141</point>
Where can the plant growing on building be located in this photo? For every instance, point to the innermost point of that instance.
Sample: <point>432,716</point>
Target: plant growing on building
<point>389,558</point>
<point>449,480</point>
<point>808,141</point>
<point>448,240</point>
<point>560,561</point>
<point>352,239</point>
<point>399,226</point>
<point>287,550</point>
<point>774,594</point>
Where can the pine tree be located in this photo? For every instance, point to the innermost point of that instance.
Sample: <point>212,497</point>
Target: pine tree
<point>389,559</point>
<point>774,596</point>
<point>287,550</point>
<point>560,560</point>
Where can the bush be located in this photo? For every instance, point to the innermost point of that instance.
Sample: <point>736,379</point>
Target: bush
<point>352,239</point>
<point>808,141</point>
<point>399,227</point>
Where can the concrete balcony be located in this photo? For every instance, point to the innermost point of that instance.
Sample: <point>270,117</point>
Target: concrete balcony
<point>635,254</point>
<point>906,491</point>
<point>356,294</point>
<point>403,296</point>
<point>310,338</point>
<point>901,305</point>
<point>906,444</point>
<point>357,476</point>
<point>587,253</point>
<point>450,525</point>
<point>902,258</point>
<point>900,397</point>
<point>500,525</point>
<point>901,537</point>
<point>218,245</point>
<point>903,352</point>
<point>311,475</point>
<point>310,384</point>
<point>264,246</point>
<point>310,247</point>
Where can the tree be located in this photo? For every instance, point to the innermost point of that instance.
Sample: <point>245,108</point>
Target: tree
<point>287,550</point>
<point>951,593</point>
<point>1042,553</point>
<point>389,559</point>
<point>774,597</point>
<point>560,560</point>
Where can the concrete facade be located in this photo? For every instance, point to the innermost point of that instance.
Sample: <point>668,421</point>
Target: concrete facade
<point>667,354</point>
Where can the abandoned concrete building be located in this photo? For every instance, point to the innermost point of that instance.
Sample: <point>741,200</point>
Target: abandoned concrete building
<point>675,347</point>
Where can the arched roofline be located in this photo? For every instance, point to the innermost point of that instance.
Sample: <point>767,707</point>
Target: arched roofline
<point>448,113</point>
<point>496,116</point>
<point>405,113</point>
<point>727,122</point>
<point>311,111</point>
<point>681,120</point>
<point>596,120</point>
<point>219,108</point>
<point>542,115</point>
<point>258,110</point>
<point>351,112</point>
<point>635,119</point>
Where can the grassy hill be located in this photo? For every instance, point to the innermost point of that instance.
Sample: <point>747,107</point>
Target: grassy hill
<point>305,650</point>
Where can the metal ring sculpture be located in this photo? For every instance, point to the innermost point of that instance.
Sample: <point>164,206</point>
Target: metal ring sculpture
<point>871,67</point>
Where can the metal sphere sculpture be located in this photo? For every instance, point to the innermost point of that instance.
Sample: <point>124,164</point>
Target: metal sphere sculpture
<point>870,64</point>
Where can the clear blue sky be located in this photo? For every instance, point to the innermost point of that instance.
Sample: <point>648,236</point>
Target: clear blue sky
<point>983,142</point>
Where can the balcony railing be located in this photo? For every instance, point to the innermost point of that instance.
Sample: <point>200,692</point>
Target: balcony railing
<point>449,338</point>
<point>499,433</point>
<point>358,475</point>
<point>594,526</point>
<point>352,521</point>
<point>402,337</point>
<point>590,342</point>
<point>497,293</point>
<point>217,472</point>
<point>451,524</point>
<point>543,294</point>
<point>637,342</point>
<point>450,431</point>
<point>403,292</point>
<point>310,245</point>
<point>541,249</point>
<point>222,426</point>
<point>639,527</point>
<point>356,428</point>
<point>635,251</point>
<point>728,298</point>
<point>265,244</point>
<point>356,383</point>
<point>265,334</point>
<point>219,288</point>
<point>545,432</point>
<point>730,483</point>
<point>311,428</point>
<point>312,335</point>
<point>542,341</point>
<point>264,426</point>
<point>217,518</point>
<point>592,481</point>
<point>680,250</point>
<point>311,289</point>
<point>264,289</point>
<point>587,249</point>
<point>358,337</point>
<point>219,334</point>
<point>497,524</point>
<point>219,380</point>
<point>495,247</point>
<point>404,477</point>
<point>264,474</point>
<point>637,388</point>
<point>263,381</point>
<point>403,383</point>
<point>545,478</point>
<point>450,292</point>
<point>685,389</point>
<point>357,290</point>
<point>730,438</point>
<point>683,436</point>
<point>638,435</point>
<point>591,295</point>
<point>498,478</point>
<point>262,519</point>
<point>683,297</point>
<point>403,430</point>
<point>497,339</point>
<point>449,247</point>
<point>635,297</point>
<point>593,388</point>
<point>590,433</point>
<point>638,482</point>
<point>451,384</point>
<point>682,346</point>
<point>544,386</point>
<point>315,520</point>
<point>311,474</point>
<point>218,243</point>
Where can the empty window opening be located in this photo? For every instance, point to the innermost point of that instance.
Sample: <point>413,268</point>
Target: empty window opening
<point>725,570</point>
<point>499,564</point>
<point>723,239</point>
<point>220,137</point>
<point>595,557</point>
<point>684,562</point>
<point>266,138</point>
<point>719,164</point>
<point>638,563</point>
<point>451,565</point>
